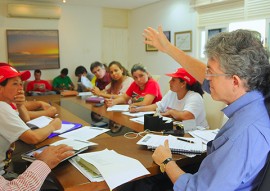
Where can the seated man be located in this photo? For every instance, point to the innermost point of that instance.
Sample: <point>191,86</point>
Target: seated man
<point>103,77</point>
<point>63,82</point>
<point>38,86</point>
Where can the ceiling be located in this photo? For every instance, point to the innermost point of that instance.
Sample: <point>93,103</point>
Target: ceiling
<point>120,4</point>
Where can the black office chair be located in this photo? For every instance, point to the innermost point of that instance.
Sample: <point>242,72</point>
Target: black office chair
<point>265,183</point>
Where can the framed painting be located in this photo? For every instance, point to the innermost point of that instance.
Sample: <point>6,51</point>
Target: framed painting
<point>33,49</point>
<point>183,40</point>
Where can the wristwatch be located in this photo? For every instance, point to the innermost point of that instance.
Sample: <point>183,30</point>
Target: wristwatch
<point>162,166</point>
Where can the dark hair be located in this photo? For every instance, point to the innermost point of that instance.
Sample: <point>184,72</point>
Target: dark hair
<point>196,87</point>
<point>140,67</point>
<point>241,53</point>
<point>64,71</point>
<point>37,71</point>
<point>125,71</point>
<point>4,83</point>
<point>80,70</point>
<point>96,64</point>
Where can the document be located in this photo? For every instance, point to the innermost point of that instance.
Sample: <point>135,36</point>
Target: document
<point>116,169</point>
<point>43,121</point>
<point>138,114</point>
<point>85,94</point>
<point>205,135</point>
<point>75,144</point>
<point>118,108</point>
<point>85,133</point>
<point>177,145</point>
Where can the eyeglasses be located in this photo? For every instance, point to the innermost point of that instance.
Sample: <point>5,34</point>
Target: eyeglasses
<point>209,74</point>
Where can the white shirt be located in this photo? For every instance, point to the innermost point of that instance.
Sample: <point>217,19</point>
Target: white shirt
<point>11,128</point>
<point>192,102</point>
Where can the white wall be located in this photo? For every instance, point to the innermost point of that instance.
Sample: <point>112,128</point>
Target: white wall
<point>174,16</point>
<point>80,32</point>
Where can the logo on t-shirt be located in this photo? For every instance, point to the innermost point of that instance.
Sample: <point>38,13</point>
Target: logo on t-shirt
<point>136,97</point>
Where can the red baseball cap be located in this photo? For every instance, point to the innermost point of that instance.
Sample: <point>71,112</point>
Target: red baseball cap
<point>182,73</point>
<point>7,71</point>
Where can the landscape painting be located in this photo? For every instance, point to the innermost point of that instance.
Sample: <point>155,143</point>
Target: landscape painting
<point>33,49</point>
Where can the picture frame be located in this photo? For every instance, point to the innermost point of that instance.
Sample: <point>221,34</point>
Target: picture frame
<point>168,35</point>
<point>33,49</point>
<point>183,40</point>
<point>150,48</point>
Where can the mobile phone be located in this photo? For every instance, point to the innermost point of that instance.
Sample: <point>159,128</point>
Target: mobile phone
<point>29,156</point>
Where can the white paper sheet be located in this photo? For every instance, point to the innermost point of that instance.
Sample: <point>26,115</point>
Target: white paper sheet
<point>204,135</point>
<point>40,122</point>
<point>85,133</point>
<point>118,108</point>
<point>75,144</point>
<point>113,166</point>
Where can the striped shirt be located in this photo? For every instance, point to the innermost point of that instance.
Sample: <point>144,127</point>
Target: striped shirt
<point>31,179</point>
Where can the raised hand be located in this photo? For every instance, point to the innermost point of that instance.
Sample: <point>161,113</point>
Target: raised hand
<point>156,38</point>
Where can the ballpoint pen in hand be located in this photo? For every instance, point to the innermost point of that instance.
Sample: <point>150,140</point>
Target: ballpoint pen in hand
<point>189,141</point>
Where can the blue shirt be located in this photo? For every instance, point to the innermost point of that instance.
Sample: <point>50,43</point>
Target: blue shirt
<point>237,155</point>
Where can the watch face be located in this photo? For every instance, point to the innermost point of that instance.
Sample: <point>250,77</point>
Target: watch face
<point>162,167</point>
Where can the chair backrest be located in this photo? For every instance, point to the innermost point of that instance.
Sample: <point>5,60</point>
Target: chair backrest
<point>214,116</point>
<point>265,183</point>
<point>156,77</point>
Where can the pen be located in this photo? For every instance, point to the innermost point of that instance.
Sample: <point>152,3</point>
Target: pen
<point>189,141</point>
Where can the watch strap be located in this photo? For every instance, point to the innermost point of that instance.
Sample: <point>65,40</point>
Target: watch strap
<point>167,160</point>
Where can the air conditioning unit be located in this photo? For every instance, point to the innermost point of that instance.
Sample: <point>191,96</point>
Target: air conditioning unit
<point>34,11</point>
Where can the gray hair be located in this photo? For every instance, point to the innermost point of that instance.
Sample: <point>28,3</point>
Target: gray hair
<point>241,53</point>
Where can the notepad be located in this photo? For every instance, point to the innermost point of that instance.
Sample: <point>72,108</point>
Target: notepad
<point>43,121</point>
<point>177,146</point>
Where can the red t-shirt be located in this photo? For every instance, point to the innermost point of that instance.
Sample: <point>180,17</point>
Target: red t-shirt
<point>41,86</point>
<point>151,87</point>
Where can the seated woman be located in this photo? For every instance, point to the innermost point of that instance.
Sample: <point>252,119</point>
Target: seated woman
<point>183,101</point>
<point>12,126</point>
<point>39,108</point>
<point>121,81</point>
<point>143,91</point>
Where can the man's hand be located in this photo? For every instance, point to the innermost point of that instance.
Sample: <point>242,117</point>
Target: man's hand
<point>53,155</point>
<point>162,153</point>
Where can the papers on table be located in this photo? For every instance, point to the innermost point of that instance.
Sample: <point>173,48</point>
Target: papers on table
<point>85,94</point>
<point>205,135</point>
<point>190,146</point>
<point>44,121</point>
<point>112,166</point>
<point>138,114</point>
<point>85,133</point>
<point>75,144</point>
<point>118,108</point>
<point>141,119</point>
<point>40,122</point>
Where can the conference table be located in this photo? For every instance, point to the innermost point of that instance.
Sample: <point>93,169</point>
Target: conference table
<point>69,178</point>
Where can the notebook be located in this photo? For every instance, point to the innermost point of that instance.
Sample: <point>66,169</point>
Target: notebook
<point>177,146</point>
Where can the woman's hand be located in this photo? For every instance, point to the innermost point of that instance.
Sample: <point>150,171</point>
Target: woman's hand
<point>109,102</point>
<point>19,99</point>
